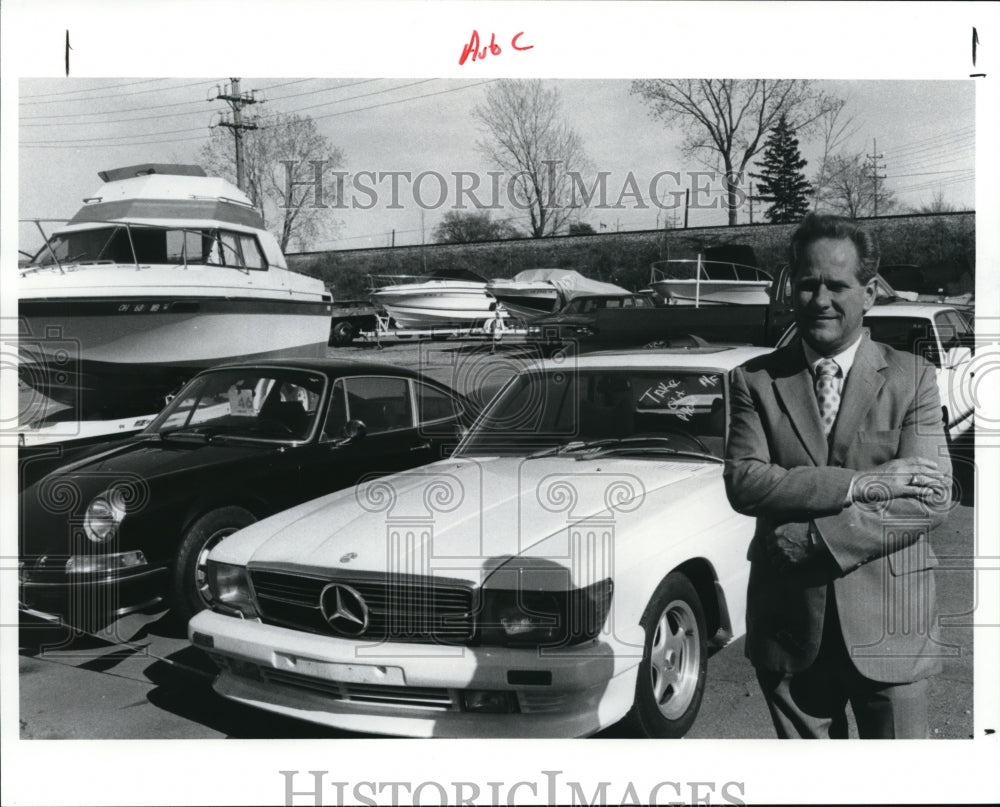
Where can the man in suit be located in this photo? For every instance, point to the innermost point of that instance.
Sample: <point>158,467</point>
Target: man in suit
<point>836,446</point>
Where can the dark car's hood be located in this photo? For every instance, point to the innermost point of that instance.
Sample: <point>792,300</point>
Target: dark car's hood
<point>153,458</point>
<point>52,509</point>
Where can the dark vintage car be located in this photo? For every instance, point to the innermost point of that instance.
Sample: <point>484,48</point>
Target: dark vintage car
<point>129,525</point>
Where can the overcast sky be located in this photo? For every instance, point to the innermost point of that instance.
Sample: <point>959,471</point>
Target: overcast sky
<point>72,128</point>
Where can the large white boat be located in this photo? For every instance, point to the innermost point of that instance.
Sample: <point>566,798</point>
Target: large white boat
<point>447,298</point>
<point>536,292</point>
<point>709,281</point>
<point>162,272</point>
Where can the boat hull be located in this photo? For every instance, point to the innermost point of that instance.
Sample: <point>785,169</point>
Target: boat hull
<point>713,292</point>
<point>115,357</point>
<point>452,305</point>
<point>526,301</point>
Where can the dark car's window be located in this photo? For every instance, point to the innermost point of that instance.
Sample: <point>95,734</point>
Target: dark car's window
<point>434,404</point>
<point>254,403</point>
<point>538,410</point>
<point>336,417</point>
<point>909,334</point>
<point>382,403</point>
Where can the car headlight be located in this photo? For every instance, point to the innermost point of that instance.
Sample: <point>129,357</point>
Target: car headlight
<point>230,589</point>
<point>103,516</point>
<point>583,330</point>
<point>514,617</point>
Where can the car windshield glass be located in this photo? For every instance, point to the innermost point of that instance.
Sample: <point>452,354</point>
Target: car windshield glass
<point>149,245</point>
<point>253,403</point>
<point>614,409</point>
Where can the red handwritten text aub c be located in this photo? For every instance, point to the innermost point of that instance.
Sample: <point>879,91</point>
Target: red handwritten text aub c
<point>474,50</point>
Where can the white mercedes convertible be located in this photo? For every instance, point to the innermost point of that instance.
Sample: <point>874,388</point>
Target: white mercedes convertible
<point>569,566</point>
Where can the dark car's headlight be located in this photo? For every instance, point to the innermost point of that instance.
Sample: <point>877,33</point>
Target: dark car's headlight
<point>230,589</point>
<point>103,516</point>
<point>514,617</point>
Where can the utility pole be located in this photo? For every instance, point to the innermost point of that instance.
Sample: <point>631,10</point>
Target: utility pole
<point>237,101</point>
<point>875,176</point>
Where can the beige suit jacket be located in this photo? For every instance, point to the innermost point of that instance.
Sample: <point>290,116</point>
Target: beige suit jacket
<point>780,468</point>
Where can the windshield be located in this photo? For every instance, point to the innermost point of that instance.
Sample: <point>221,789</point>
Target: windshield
<point>253,403</point>
<point>677,410</point>
<point>149,245</point>
<point>585,305</point>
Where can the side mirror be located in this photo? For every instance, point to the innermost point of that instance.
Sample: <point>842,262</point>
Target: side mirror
<point>353,430</point>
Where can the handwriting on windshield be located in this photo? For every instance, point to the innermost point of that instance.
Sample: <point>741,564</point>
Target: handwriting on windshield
<point>669,396</point>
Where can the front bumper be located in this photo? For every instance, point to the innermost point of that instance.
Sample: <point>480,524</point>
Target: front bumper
<point>418,690</point>
<point>89,601</point>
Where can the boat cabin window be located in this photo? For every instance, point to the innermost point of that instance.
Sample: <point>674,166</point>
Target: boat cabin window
<point>153,245</point>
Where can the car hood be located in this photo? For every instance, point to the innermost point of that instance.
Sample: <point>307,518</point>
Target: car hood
<point>52,505</point>
<point>461,519</point>
<point>153,458</point>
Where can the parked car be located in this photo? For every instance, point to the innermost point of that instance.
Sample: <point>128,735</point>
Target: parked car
<point>570,564</point>
<point>941,334</point>
<point>129,525</point>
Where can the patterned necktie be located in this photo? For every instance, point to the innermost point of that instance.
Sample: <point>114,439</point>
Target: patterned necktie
<point>827,392</point>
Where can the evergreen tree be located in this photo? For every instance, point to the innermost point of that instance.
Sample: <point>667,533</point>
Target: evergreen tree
<point>782,182</point>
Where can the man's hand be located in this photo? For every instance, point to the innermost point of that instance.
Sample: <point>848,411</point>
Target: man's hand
<point>906,477</point>
<point>789,545</point>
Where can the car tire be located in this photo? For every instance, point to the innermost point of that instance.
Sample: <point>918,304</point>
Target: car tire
<point>671,678</point>
<point>343,334</point>
<point>189,588</point>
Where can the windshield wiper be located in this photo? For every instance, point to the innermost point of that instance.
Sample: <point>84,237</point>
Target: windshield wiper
<point>673,452</point>
<point>575,445</point>
<point>621,445</point>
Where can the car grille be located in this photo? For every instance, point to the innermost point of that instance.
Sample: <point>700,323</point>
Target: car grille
<point>412,697</point>
<point>400,607</point>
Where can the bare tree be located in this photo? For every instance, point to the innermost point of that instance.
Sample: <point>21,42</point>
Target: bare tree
<point>525,137</point>
<point>279,156</point>
<point>725,120</point>
<point>850,191</point>
<point>835,129</point>
<point>937,204</point>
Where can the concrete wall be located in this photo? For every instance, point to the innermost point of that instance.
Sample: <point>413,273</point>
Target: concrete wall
<point>946,240</point>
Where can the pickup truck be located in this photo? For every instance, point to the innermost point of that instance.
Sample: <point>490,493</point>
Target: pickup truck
<point>599,322</point>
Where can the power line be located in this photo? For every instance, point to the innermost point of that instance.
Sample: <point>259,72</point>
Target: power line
<point>366,95</point>
<point>118,95</point>
<point>44,145</point>
<point>918,144</point>
<point>82,142</point>
<point>931,173</point>
<point>404,100</point>
<point>77,140</point>
<point>167,106</point>
<point>95,89</point>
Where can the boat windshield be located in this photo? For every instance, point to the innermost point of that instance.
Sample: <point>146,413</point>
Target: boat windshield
<point>271,404</point>
<point>651,412</point>
<point>585,305</point>
<point>152,245</point>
